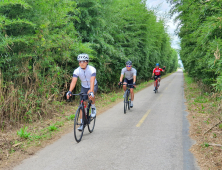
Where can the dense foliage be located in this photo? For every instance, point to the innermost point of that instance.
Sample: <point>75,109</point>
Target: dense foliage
<point>39,42</point>
<point>201,38</point>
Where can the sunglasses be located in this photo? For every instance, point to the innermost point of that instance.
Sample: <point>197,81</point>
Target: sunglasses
<point>128,66</point>
<point>82,61</point>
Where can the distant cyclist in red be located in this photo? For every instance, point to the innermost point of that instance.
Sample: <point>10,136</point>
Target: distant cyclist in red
<point>157,72</point>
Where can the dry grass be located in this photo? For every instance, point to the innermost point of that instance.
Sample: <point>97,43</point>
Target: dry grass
<point>27,98</point>
<point>206,125</point>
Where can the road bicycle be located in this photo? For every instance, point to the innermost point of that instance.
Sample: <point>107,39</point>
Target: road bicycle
<point>127,97</point>
<point>87,120</point>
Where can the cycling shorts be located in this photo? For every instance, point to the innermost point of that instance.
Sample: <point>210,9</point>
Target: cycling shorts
<point>156,77</point>
<point>129,82</point>
<point>85,91</point>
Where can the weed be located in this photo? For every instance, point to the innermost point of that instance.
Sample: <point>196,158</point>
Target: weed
<point>23,133</point>
<point>207,122</point>
<point>213,104</point>
<point>205,145</point>
<point>220,126</point>
<point>16,142</point>
<point>70,117</point>
<point>113,99</point>
<point>59,124</point>
<point>37,137</point>
<point>202,107</point>
<point>214,135</point>
<point>52,128</point>
<point>201,99</point>
<point>11,151</point>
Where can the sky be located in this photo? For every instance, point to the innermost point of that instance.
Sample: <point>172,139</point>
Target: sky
<point>163,7</point>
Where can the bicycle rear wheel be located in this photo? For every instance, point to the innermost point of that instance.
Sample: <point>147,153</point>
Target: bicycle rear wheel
<point>77,123</point>
<point>92,122</point>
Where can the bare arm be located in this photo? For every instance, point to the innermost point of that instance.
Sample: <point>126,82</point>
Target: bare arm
<point>121,78</point>
<point>72,85</point>
<point>134,79</point>
<point>92,82</point>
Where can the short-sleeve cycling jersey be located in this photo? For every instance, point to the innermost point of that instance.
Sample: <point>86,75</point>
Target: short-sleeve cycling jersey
<point>157,71</point>
<point>85,75</point>
<point>129,74</point>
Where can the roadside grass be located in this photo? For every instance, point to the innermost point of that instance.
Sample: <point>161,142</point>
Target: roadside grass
<point>205,117</point>
<point>30,137</point>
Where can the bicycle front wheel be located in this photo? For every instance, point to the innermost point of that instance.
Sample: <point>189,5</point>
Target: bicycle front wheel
<point>156,86</point>
<point>92,122</point>
<point>77,123</point>
<point>129,101</point>
<point>125,102</point>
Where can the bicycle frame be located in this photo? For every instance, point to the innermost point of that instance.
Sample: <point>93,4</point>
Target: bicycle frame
<point>127,87</point>
<point>85,115</point>
<point>127,97</point>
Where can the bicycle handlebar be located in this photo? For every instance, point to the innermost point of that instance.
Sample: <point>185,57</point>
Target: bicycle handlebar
<point>80,94</point>
<point>126,84</point>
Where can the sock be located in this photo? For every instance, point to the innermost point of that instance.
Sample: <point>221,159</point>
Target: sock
<point>93,106</point>
<point>81,120</point>
<point>131,102</point>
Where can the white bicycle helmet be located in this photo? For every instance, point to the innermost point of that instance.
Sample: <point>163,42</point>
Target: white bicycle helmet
<point>83,57</point>
<point>129,63</point>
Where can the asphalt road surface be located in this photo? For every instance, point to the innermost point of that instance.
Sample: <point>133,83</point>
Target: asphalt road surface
<point>153,136</point>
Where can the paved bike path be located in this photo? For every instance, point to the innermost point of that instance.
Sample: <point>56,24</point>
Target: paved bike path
<point>153,135</point>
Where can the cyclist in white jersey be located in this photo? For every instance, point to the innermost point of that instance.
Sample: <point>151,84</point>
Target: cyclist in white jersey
<point>130,78</point>
<point>87,75</point>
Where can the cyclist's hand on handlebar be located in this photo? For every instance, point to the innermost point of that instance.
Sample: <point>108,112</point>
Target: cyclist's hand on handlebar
<point>91,95</point>
<point>68,94</point>
<point>119,84</point>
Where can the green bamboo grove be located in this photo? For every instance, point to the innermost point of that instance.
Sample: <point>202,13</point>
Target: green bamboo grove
<point>40,40</point>
<point>200,30</point>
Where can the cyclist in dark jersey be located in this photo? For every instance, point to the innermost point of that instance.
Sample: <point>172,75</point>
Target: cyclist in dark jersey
<point>130,78</point>
<point>157,72</point>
